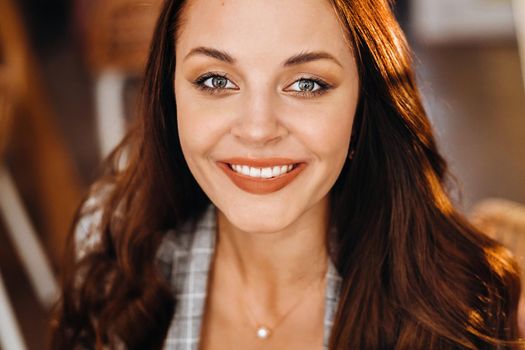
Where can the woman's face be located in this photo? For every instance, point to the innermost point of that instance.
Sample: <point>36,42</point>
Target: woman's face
<point>266,93</point>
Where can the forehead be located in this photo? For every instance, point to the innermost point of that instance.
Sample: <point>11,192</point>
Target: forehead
<point>262,28</point>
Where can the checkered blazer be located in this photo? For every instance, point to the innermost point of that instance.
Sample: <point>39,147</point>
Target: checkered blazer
<point>185,259</point>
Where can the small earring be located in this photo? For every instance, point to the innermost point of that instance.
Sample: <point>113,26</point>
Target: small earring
<point>351,154</point>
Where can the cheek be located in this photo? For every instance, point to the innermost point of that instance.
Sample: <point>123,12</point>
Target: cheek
<point>199,124</point>
<point>329,128</point>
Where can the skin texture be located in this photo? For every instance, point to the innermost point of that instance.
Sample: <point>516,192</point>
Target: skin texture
<point>261,119</point>
<point>260,113</point>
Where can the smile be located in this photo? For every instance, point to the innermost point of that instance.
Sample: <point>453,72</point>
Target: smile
<point>261,176</point>
<point>265,173</point>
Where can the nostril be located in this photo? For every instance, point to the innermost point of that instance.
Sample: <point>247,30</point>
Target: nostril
<point>256,131</point>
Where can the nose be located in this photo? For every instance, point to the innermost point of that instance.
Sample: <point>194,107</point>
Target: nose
<point>258,123</point>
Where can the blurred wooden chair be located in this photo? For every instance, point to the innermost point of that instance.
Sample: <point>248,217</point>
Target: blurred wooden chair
<point>10,334</point>
<point>38,158</point>
<point>117,35</point>
<point>36,172</point>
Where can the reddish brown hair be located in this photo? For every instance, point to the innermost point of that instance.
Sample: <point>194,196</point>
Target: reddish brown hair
<point>416,274</point>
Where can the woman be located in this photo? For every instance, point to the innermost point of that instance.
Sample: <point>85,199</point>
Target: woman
<point>283,190</point>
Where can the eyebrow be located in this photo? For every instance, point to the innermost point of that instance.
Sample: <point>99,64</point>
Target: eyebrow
<point>300,58</point>
<point>310,56</point>
<point>211,52</point>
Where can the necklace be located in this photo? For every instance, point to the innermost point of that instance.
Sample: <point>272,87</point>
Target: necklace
<point>264,331</point>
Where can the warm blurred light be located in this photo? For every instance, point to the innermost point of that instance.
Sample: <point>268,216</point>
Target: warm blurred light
<point>441,21</point>
<point>519,18</point>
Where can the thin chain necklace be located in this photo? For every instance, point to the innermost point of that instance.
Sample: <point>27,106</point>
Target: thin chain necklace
<point>264,331</point>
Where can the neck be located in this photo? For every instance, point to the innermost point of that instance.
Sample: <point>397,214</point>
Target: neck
<point>273,264</point>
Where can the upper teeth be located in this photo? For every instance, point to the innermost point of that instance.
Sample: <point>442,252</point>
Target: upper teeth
<point>264,173</point>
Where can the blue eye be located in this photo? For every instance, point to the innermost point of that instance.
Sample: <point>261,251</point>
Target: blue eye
<point>214,83</point>
<point>306,85</point>
<point>310,87</point>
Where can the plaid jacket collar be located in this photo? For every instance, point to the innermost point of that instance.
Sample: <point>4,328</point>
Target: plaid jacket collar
<point>185,260</point>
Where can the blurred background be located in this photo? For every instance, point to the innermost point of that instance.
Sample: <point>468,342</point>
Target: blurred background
<point>70,71</point>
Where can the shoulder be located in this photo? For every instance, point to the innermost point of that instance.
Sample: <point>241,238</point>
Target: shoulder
<point>175,243</point>
<point>191,243</point>
<point>178,249</point>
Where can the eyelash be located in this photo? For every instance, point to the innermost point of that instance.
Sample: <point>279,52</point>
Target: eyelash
<point>323,86</point>
<point>199,83</point>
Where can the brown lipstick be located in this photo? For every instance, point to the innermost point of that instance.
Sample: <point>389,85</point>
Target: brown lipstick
<point>262,175</point>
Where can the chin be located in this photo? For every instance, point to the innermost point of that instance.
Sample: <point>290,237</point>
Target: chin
<point>259,220</point>
<point>258,227</point>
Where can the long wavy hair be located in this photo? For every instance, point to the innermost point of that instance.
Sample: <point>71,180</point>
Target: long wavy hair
<point>416,274</point>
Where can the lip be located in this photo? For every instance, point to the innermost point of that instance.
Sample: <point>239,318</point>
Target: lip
<point>261,185</point>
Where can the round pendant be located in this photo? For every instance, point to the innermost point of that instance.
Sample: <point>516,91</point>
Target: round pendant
<point>263,332</point>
